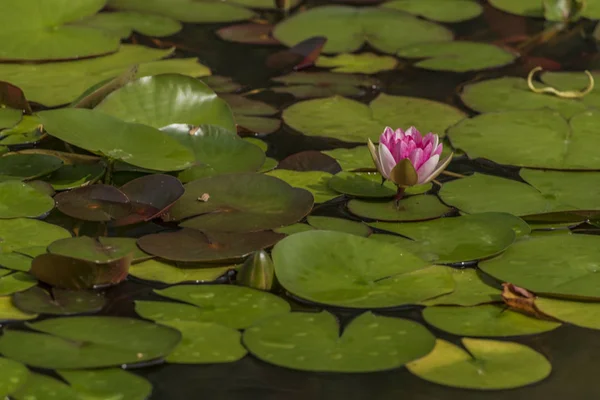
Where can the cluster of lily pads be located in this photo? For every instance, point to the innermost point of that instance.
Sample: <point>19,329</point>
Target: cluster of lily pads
<point>141,171</point>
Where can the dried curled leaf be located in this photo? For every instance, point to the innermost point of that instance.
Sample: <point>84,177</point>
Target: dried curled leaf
<point>523,301</point>
<point>569,94</point>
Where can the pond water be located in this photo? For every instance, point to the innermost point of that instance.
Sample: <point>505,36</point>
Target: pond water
<point>562,209</point>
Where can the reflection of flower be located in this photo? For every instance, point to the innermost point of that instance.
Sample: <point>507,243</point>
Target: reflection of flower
<point>408,158</point>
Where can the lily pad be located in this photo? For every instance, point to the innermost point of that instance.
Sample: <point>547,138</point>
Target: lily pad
<point>22,233</point>
<point>111,383</point>
<point>16,261</point>
<point>217,151</point>
<point>205,342</point>
<point>485,320</point>
<point>454,240</point>
<point>16,282</point>
<point>512,94</point>
<point>251,33</point>
<point>458,56</point>
<point>187,10</point>
<point>306,264</point>
<point>14,375</point>
<point>27,166</point>
<point>233,306</point>
<point>250,115</point>
<point>18,199</point>
<point>310,160</point>
<point>169,273</point>
<point>480,193</point>
<point>57,302</point>
<point>242,202</point>
<point>39,387</point>
<point>191,245</point>
<point>413,208</point>
<point>359,184</point>
<point>9,117</point>
<point>74,176</point>
<point>167,99</point>
<point>348,120</point>
<point>348,28</point>
<point>55,38</point>
<point>339,225</point>
<point>584,314</point>
<point>294,228</point>
<point>363,63</point>
<point>26,131</point>
<point>569,81</point>
<point>136,144</point>
<point>353,159</point>
<point>484,365</point>
<point>550,141</point>
<point>316,182</point>
<point>104,342</point>
<point>56,83</point>
<point>124,23</point>
<point>312,342</point>
<point>532,8</point>
<point>562,265</point>
<point>100,203</point>
<point>471,288</point>
<point>438,10</point>
<point>324,84</point>
<point>8,311</point>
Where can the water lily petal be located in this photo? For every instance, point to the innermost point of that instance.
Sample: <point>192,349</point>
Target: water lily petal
<point>427,168</point>
<point>416,158</point>
<point>438,170</point>
<point>387,161</point>
<point>374,155</point>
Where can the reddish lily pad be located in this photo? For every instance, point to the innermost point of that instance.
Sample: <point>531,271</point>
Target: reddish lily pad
<point>243,202</point>
<point>251,33</point>
<point>57,301</point>
<point>310,160</point>
<point>191,245</point>
<point>100,203</point>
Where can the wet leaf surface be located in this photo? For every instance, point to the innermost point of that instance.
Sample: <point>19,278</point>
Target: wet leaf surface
<point>57,301</point>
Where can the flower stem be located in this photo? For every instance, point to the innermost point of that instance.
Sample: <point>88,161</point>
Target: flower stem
<point>453,174</point>
<point>398,197</point>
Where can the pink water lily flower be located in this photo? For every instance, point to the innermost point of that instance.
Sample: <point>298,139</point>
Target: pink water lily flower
<point>408,158</point>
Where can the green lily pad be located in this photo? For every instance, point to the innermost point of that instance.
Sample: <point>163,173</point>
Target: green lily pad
<point>269,165</point>
<point>87,248</point>
<point>266,4</point>
<point>36,300</point>
<point>187,10</point>
<point>257,142</point>
<point>363,63</point>
<point>9,312</point>
<point>221,84</point>
<point>513,94</point>
<point>458,56</point>
<point>550,141</point>
<point>192,245</point>
<point>124,23</point>
<point>533,8</point>
<point>480,193</point>
<point>16,261</point>
<point>294,228</point>
<point>126,245</point>
<point>42,387</point>
<point>161,271</point>
<point>16,282</point>
<point>339,225</point>
<point>18,199</point>
<point>348,120</point>
<point>562,265</point>
<point>250,115</point>
<point>14,375</point>
<point>438,10</point>
<point>74,176</point>
<point>413,208</point>
<point>584,314</point>
<point>485,320</point>
<point>205,342</point>
<point>21,233</point>
<point>27,166</point>
<point>103,342</point>
<point>233,306</point>
<point>348,28</point>
<point>362,184</point>
<point>217,151</point>
<point>9,117</point>
<point>569,81</point>
<point>339,269</point>
<point>55,38</point>
<point>324,84</point>
<point>56,83</point>
<point>249,33</point>
<point>353,159</point>
<point>261,125</point>
<point>136,144</point>
<point>484,365</point>
<point>312,342</point>
<point>453,240</point>
<point>114,383</point>
<point>316,182</point>
<point>167,99</point>
<point>26,131</point>
<point>242,202</point>
<point>471,288</point>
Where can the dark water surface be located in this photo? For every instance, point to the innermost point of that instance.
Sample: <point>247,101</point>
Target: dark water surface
<point>573,352</point>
